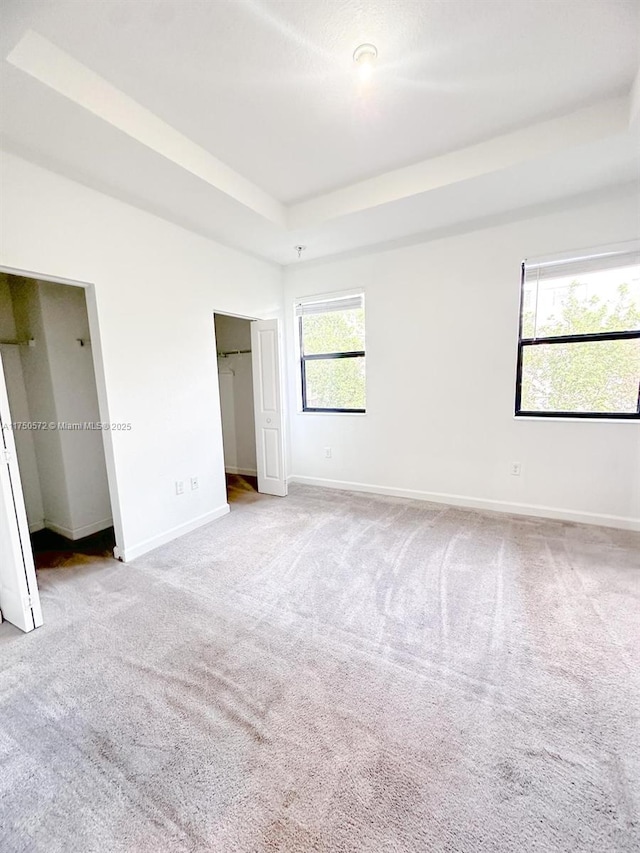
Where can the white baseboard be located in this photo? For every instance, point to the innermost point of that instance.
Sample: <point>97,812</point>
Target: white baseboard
<point>619,521</point>
<point>78,532</point>
<point>246,472</point>
<point>128,554</point>
<point>35,526</point>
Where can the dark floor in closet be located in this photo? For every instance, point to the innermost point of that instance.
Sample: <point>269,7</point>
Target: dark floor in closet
<point>51,550</point>
<point>241,487</point>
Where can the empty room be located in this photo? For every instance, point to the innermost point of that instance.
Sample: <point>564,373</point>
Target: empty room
<point>320,426</point>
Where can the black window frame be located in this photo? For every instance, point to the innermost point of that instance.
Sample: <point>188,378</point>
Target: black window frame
<point>319,357</point>
<point>565,339</point>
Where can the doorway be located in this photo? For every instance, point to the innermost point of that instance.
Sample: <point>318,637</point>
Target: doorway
<point>235,381</point>
<point>251,405</point>
<point>47,355</point>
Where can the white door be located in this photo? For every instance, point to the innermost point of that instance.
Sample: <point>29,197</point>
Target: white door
<point>19,598</point>
<point>267,397</point>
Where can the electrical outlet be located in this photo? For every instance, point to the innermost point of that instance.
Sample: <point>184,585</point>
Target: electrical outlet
<point>179,487</point>
<point>515,469</point>
<point>194,484</point>
<point>327,453</point>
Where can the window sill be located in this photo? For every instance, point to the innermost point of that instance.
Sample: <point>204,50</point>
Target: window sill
<point>574,420</point>
<point>333,414</point>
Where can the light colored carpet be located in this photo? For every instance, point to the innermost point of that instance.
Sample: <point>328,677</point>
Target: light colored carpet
<point>331,672</point>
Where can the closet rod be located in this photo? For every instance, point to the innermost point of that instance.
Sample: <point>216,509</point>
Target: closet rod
<point>234,352</point>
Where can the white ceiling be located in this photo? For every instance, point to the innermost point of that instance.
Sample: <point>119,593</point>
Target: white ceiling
<point>250,125</point>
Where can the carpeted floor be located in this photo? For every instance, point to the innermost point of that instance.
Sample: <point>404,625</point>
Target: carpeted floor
<point>331,672</point>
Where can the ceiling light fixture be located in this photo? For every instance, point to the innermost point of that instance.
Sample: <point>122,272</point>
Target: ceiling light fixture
<point>365,56</point>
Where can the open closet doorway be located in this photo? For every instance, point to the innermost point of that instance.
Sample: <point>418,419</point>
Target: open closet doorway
<point>53,414</point>
<point>250,384</point>
<point>235,379</point>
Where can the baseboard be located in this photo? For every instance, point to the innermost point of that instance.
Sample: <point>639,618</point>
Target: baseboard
<point>78,532</point>
<point>619,521</point>
<point>245,472</point>
<point>35,526</point>
<point>128,554</point>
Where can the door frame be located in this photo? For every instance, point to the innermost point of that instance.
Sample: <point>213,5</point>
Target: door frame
<point>281,379</point>
<point>12,499</point>
<point>101,386</point>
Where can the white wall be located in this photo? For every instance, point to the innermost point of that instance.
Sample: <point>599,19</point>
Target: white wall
<point>232,333</point>
<point>236,394</point>
<point>38,386</point>
<point>65,320</point>
<point>441,330</point>
<point>19,406</point>
<point>156,289</point>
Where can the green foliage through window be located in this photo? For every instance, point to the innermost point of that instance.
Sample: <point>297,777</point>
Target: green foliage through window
<point>333,360</point>
<point>582,374</point>
<point>335,331</point>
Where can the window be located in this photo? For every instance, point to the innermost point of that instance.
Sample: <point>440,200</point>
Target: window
<point>579,342</point>
<point>332,355</point>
